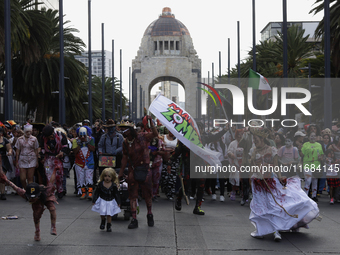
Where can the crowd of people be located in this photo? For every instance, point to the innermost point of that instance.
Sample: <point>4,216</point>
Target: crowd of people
<point>37,160</point>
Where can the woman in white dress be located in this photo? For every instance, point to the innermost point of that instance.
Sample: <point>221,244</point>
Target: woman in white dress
<point>275,207</point>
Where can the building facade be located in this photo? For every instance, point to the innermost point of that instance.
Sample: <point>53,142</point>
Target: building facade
<point>96,56</point>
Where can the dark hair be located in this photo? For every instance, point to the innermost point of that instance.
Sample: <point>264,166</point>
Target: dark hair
<point>140,124</point>
<point>318,131</point>
<point>282,138</point>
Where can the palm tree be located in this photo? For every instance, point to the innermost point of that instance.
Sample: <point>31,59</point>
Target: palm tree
<point>30,31</point>
<point>334,28</point>
<point>33,84</point>
<point>97,97</point>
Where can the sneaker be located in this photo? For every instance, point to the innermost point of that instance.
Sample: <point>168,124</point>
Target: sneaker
<point>332,201</point>
<point>83,196</point>
<point>243,202</point>
<point>60,195</point>
<point>222,198</point>
<point>213,197</point>
<point>315,199</point>
<point>53,231</point>
<point>197,210</point>
<point>133,224</point>
<point>178,204</point>
<point>277,236</point>
<point>191,198</point>
<point>253,234</point>
<point>150,220</point>
<point>232,196</point>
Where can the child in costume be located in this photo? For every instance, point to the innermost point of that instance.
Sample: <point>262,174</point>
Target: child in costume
<point>106,200</point>
<point>39,196</point>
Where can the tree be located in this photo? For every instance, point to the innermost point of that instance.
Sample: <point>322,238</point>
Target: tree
<point>30,31</point>
<point>33,84</point>
<point>97,97</point>
<point>334,28</point>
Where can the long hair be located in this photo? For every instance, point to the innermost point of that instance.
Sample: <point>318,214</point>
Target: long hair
<point>109,171</point>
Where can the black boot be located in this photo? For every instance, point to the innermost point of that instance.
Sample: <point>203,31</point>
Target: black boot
<point>150,220</point>
<point>102,224</point>
<point>133,224</point>
<point>108,227</point>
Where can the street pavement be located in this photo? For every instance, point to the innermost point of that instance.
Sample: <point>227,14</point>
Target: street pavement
<point>225,229</point>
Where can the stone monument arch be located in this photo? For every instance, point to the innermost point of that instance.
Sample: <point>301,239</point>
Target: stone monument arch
<point>166,53</point>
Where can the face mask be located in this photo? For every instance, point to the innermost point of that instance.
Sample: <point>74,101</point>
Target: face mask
<point>112,130</point>
<point>288,143</point>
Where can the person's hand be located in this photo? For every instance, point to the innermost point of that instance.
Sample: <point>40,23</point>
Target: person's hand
<point>168,169</point>
<point>9,153</point>
<point>119,206</point>
<point>60,155</point>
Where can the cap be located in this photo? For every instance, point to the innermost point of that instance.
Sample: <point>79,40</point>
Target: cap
<point>299,133</point>
<point>32,190</point>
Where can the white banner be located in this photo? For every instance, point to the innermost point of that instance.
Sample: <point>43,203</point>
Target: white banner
<point>183,126</point>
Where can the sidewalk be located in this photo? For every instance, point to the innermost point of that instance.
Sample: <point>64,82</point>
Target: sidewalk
<point>225,229</point>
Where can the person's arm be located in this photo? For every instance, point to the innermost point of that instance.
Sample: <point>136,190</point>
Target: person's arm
<point>124,161</point>
<point>3,179</point>
<point>96,194</point>
<point>101,144</point>
<point>9,149</point>
<point>154,132</point>
<point>116,194</point>
<point>75,146</point>
<point>91,145</point>
<point>119,144</point>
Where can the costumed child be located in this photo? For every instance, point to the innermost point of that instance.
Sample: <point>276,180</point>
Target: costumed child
<point>106,200</point>
<point>332,174</point>
<point>39,196</point>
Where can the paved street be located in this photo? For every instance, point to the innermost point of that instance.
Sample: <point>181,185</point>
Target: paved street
<point>225,229</point>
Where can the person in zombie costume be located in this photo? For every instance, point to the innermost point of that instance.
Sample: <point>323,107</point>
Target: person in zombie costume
<point>275,207</point>
<point>54,146</point>
<point>136,154</point>
<point>83,147</point>
<point>39,196</point>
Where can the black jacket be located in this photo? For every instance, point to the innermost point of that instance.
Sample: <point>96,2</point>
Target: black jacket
<point>106,194</point>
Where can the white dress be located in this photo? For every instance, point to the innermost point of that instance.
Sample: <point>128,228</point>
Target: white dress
<point>267,216</point>
<point>104,207</point>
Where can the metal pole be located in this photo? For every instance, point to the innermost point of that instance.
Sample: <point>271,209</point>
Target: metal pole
<point>238,60</point>
<point>143,101</point>
<point>130,111</point>
<point>219,80</point>
<point>208,113</point>
<point>327,87</point>
<point>121,90</point>
<point>140,101</point>
<point>285,54</point>
<point>8,64</point>
<point>254,57</point>
<point>62,108</point>
<point>309,88</point>
<point>90,63</point>
<point>213,85</point>
<point>228,93</point>
<point>113,81</point>
<point>103,75</point>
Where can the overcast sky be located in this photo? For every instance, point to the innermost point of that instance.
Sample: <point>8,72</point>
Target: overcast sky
<point>210,24</point>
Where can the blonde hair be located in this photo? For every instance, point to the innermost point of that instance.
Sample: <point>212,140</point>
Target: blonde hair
<point>110,171</point>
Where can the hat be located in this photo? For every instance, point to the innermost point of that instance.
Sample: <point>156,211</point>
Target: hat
<point>28,127</point>
<point>259,132</point>
<point>126,123</point>
<point>8,125</point>
<point>86,121</point>
<point>299,133</point>
<point>109,123</point>
<point>327,131</point>
<point>47,130</point>
<point>32,190</point>
<point>12,122</point>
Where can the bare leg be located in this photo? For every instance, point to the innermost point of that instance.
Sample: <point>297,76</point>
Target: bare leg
<point>23,177</point>
<point>30,175</point>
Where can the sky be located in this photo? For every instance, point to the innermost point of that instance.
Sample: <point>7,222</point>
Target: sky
<point>210,24</point>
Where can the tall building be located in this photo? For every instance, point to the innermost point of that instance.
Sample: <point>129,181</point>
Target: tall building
<point>97,62</point>
<point>170,90</point>
<point>48,4</point>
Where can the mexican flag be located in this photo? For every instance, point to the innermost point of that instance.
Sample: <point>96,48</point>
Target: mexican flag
<point>257,81</point>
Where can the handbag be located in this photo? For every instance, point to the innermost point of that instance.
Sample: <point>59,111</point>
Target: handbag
<point>140,173</point>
